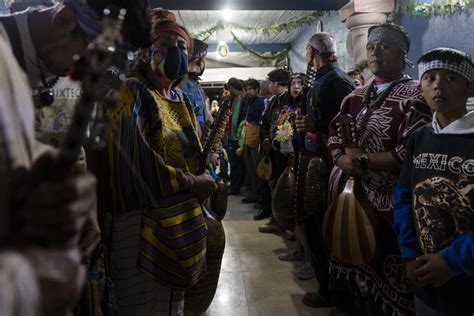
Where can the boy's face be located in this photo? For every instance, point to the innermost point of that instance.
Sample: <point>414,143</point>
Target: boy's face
<point>274,89</point>
<point>196,65</point>
<point>445,91</point>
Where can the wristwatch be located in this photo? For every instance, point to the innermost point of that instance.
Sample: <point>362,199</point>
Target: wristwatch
<point>336,157</point>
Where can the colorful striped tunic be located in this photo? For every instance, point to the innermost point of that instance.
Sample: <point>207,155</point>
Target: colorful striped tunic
<point>152,149</point>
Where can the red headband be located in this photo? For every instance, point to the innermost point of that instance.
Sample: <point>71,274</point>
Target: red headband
<point>160,14</point>
<point>171,28</point>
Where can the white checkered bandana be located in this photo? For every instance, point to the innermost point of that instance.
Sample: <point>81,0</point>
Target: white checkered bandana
<point>464,69</point>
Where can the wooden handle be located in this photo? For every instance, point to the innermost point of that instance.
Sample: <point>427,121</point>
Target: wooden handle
<point>214,134</point>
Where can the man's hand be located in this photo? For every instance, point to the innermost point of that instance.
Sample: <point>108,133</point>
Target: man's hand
<point>304,124</point>
<point>60,276</point>
<point>54,212</point>
<point>204,186</point>
<point>350,165</point>
<point>433,270</point>
<point>215,159</point>
<point>90,235</point>
<point>411,266</point>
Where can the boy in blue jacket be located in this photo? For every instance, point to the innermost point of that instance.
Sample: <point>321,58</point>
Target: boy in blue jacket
<point>434,211</point>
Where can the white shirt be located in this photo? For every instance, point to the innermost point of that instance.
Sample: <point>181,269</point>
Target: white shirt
<point>19,293</point>
<point>52,121</point>
<point>463,125</point>
<point>379,88</point>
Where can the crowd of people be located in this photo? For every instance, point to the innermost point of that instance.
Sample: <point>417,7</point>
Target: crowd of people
<point>125,229</point>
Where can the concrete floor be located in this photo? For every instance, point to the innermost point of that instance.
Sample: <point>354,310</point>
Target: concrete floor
<point>253,281</point>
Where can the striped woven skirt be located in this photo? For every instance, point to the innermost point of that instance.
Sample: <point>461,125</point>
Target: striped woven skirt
<point>137,293</point>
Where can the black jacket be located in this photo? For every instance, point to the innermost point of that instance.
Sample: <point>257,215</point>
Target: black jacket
<point>330,87</point>
<point>252,110</point>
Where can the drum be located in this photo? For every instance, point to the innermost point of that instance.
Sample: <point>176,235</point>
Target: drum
<point>199,297</point>
<point>219,200</point>
<point>283,199</point>
<point>315,190</point>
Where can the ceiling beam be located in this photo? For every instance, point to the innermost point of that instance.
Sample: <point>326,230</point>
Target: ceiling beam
<point>250,4</point>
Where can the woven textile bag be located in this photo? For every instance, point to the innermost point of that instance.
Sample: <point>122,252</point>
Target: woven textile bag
<point>252,135</point>
<point>264,168</point>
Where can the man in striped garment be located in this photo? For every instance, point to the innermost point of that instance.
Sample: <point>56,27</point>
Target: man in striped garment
<point>387,112</point>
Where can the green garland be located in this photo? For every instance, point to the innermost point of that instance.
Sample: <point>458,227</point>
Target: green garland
<point>265,30</point>
<point>360,66</point>
<point>445,7</point>
<point>278,28</point>
<point>264,56</point>
<point>204,35</point>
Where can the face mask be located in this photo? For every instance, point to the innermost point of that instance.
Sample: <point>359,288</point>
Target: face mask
<point>170,63</point>
<point>193,75</point>
<point>202,69</point>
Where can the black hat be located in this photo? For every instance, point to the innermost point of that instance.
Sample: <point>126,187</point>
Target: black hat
<point>199,48</point>
<point>235,83</point>
<point>280,76</point>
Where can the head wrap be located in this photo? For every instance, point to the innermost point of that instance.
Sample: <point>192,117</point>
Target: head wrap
<point>464,68</point>
<point>385,33</point>
<point>296,76</point>
<point>86,17</point>
<point>162,15</point>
